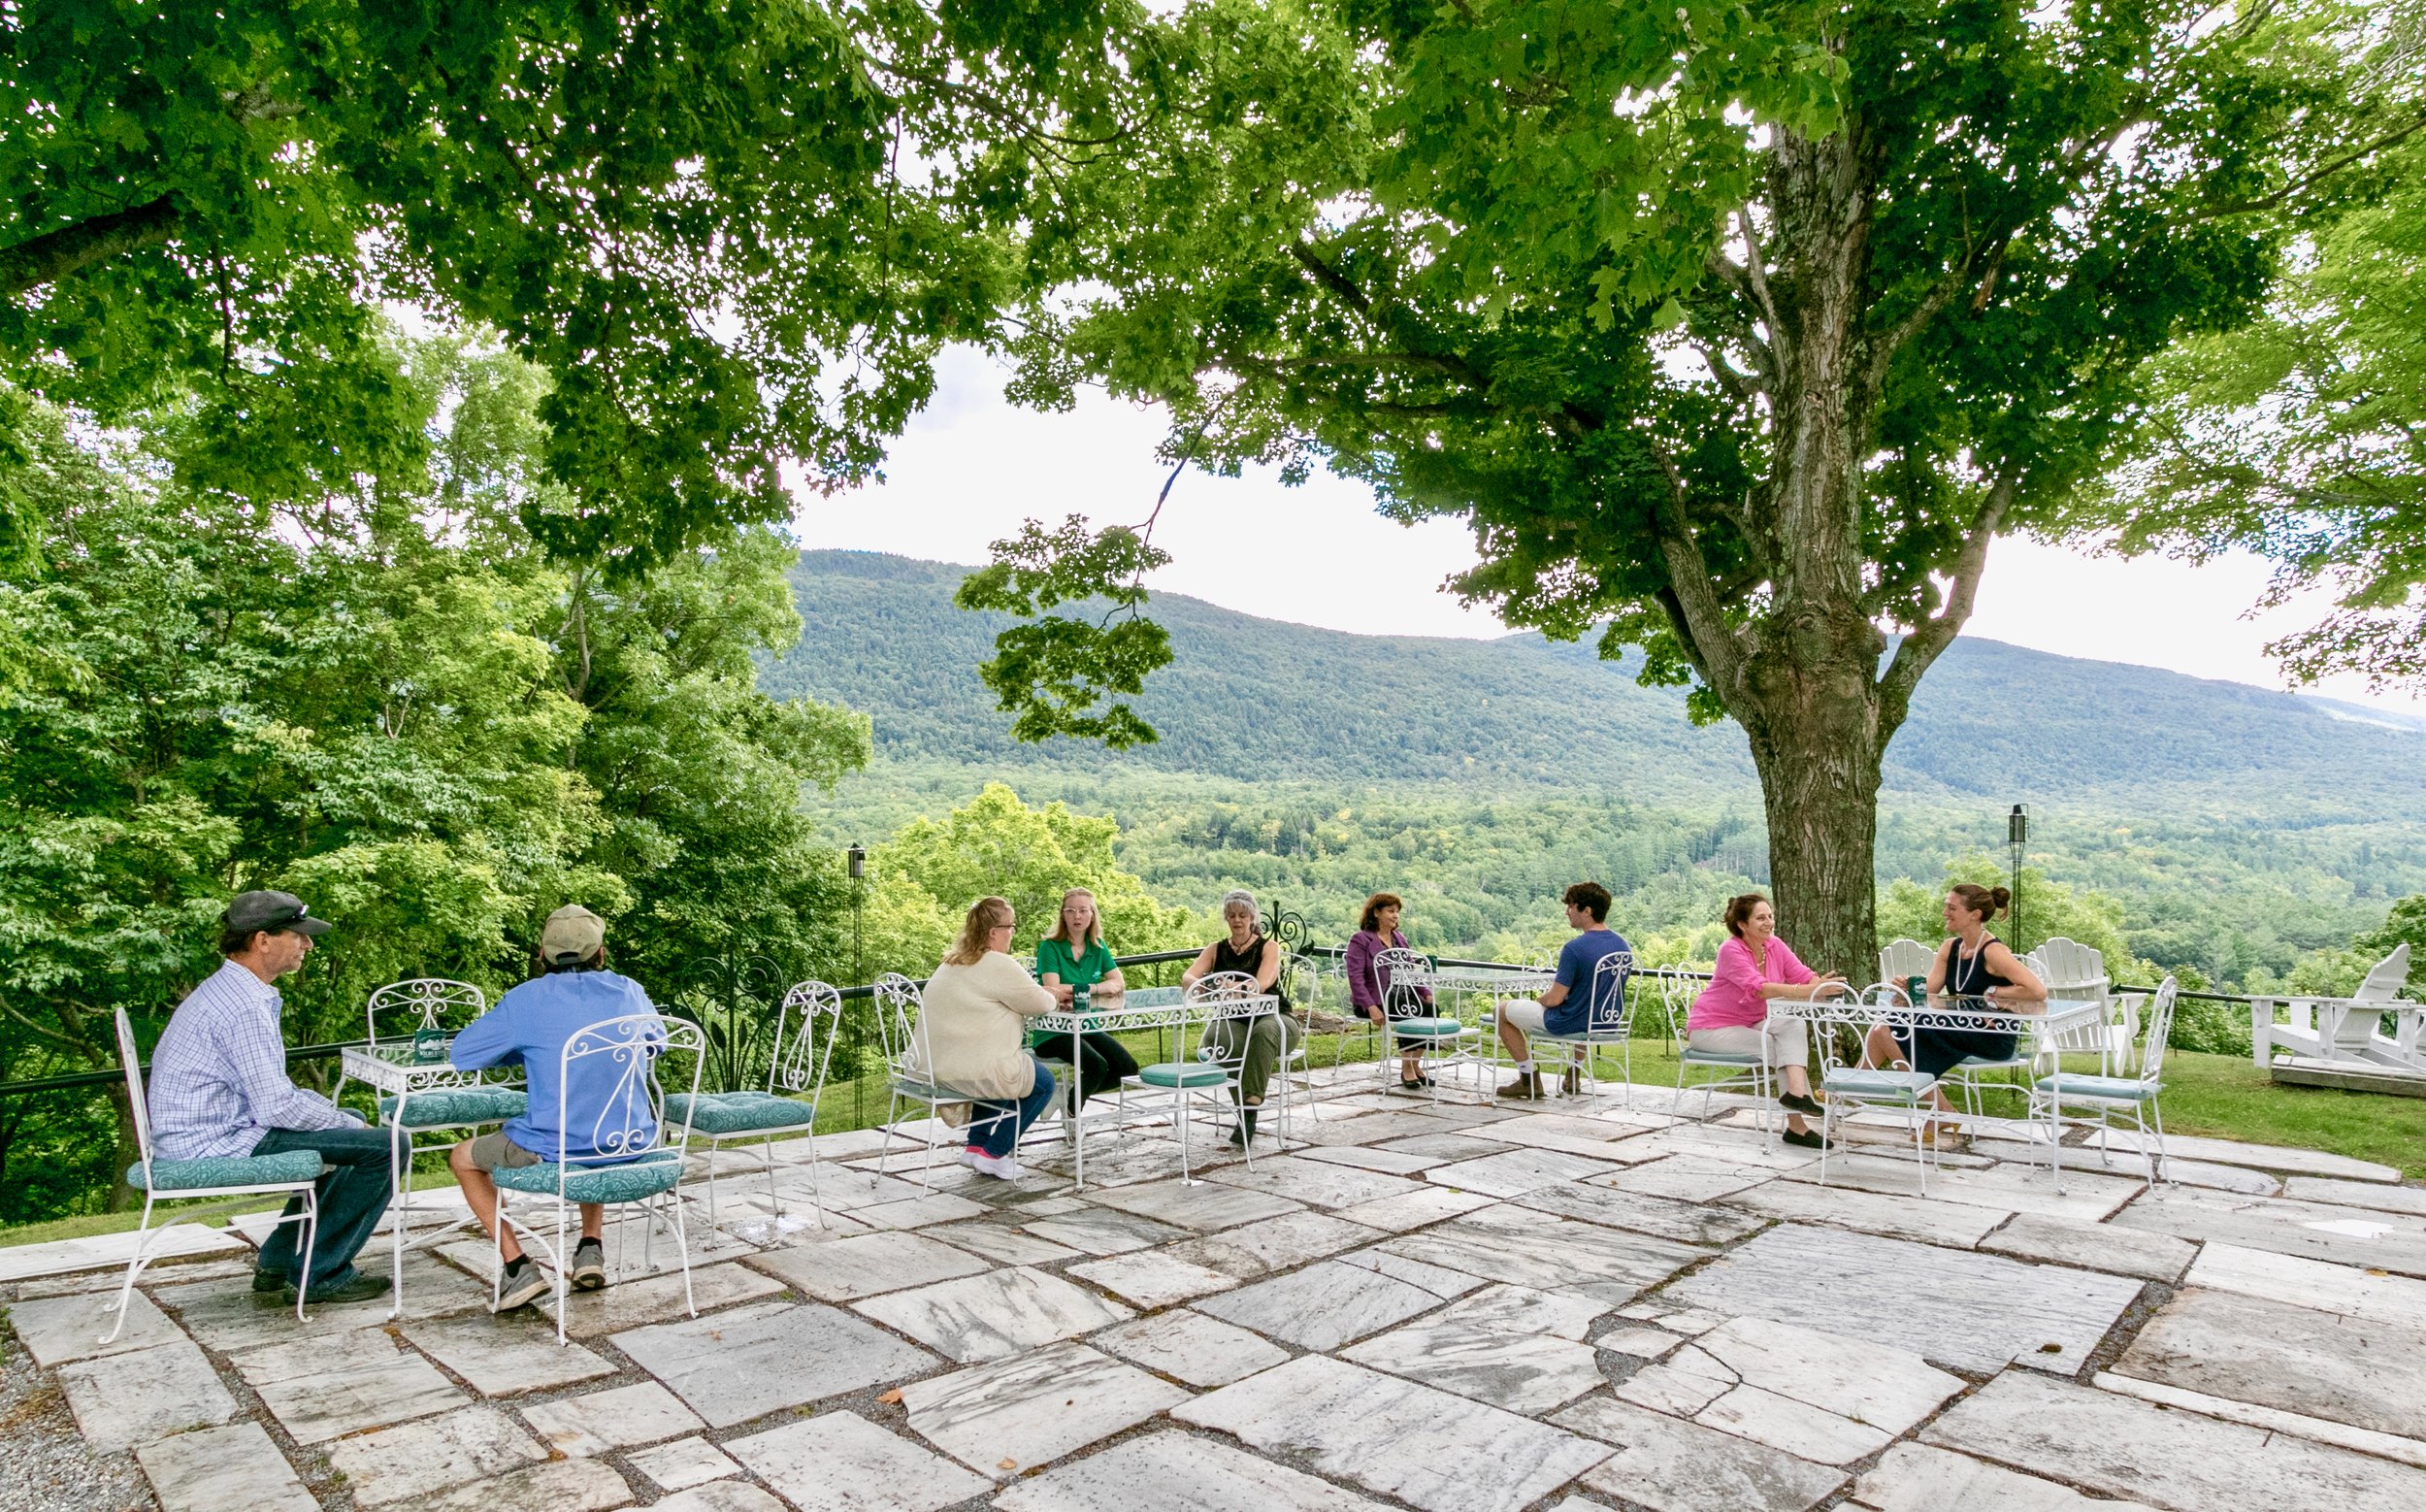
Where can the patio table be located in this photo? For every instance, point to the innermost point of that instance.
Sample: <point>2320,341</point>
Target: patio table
<point>1457,982</point>
<point>390,1069</point>
<point>1157,1008</point>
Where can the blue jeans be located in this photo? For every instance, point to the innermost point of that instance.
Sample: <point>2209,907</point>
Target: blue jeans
<point>996,1126</point>
<point>353,1193</point>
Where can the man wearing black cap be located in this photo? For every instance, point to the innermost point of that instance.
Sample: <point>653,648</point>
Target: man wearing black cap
<point>220,1088</point>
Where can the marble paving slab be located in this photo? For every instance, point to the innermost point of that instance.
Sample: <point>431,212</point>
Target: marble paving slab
<point>55,1330</point>
<point>1521,1309</point>
<point>2369,1373</point>
<point>1639,1343</point>
<point>1001,1242</point>
<point>1415,1209</point>
<point>2322,1431</point>
<point>1258,1249</point>
<point>1984,1310</point>
<point>503,1356</point>
<point>563,1486</point>
<point>157,1274</point>
<point>1322,1306</point>
<point>1924,1219</point>
<point>2011,1186</point>
<point>683,1464</point>
<point>1530,1374</point>
<point>1186,1345</point>
<point>1675,1466</point>
<point>659,1300</point>
<point>1525,1128</point>
<point>2309,1283</point>
<point>1688,1178</point>
<point>2265,1157</point>
<point>103,1251</point>
<point>1514,1172</point>
<point>1446,1148</point>
<point>413,1460</point>
<point>2311,1231</point>
<point>1320,1183</point>
<point>989,1316</point>
<point>733,1366</point>
<point>345,1383</point>
<point>2183,1461</point>
<point>620,1417</point>
<point>1545,1252</point>
<point>919,1212</point>
<point>225,1316</point>
<point>720,1496</point>
<point>1201,1206</point>
<point>2358,1193</point>
<point>1172,1471</point>
<point>1389,1162</point>
<point>1688,1223</point>
<point>1887,1388</point>
<point>1003,1416</point>
<point>1100,1230</point>
<point>215,1468</point>
<point>1153,1278</point>
<point>121,1401</point>
<point>1425,1447</point>
<point>2092,1246</point>
<point>1916,1478</point>
<point>1439,1280</point>
<point>839,1461</point>
<point>849,1268</point>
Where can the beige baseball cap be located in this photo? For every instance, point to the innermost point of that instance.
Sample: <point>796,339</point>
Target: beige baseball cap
<point>571,933</point>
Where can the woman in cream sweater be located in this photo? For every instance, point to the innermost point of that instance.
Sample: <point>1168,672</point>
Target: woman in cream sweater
<point>971,1020</point>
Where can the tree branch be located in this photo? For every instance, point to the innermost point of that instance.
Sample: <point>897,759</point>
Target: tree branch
<point>2393,138</point>
<point>1701,623</point>
<point>1932,636</point>
<point>55,254</point>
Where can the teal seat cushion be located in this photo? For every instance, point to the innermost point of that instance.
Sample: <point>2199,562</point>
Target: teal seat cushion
<point>1719,1058</point>
<point>227,1171</point>
<point>2105,1089</point>
<point>1892,1085</point>
<point>654,1172</point>
<point>927,1092</point>
<point>457,1107</point>
<point>1173,1075</point>
<point>1427,1027</point>
<point>735,1112</point>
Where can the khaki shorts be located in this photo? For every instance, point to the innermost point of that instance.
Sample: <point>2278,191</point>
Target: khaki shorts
<point>493,1151</point>
<point>1525,1015</point>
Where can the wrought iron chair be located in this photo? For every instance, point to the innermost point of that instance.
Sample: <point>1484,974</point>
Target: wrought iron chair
<point>796,1069</point>
<point>1213,1071</point>
<point>1440,1040</point>
<point>2108,1097</point>
<point>1608,1022</point>
<point>1967,1075</point>
<point>296,1171</point>
<point>902,1027</point>
<point>1301,979</point>
<point>630,1159</point>
<point>1850,1088</point>
<point>1745,1069</point>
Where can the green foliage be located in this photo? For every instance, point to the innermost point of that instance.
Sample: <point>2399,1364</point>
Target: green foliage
<point>1051,671</point>
<point>388,702</point>
<point>694,220</point>
<point>2405,924</point>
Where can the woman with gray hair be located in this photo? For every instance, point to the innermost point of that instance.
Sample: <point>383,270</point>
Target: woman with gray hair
<point>1267,1036</point>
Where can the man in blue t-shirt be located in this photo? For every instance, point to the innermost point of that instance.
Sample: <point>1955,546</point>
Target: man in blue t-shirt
<point>1566,1006</point>
<point>594,1110</point>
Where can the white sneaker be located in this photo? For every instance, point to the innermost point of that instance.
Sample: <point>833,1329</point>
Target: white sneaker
<point>970,1154</point>
<point>1005,1166</point>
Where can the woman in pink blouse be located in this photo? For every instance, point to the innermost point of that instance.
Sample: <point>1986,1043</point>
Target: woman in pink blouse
<point>1731,1016</point>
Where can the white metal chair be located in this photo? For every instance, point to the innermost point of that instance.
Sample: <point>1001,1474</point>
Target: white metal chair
<point>412,1012</point>
<point>1850,1088</point>
<point>1904,959</point>
<point>1609,1021</point>
<point>2108,1097</point>
<point>1212,1070</point>
<point>902,1027</point>
<point>630,1158</point>
<point>1440,1040</point>
<point>1966,1077</point>
<point>1746,1069</point>
<point>1302,977</point>
<point>296,1171</point>
<point>796,1069</point>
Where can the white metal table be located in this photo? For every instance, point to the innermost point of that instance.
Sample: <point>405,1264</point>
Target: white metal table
<point>391,1069</point>
<point>1146,1008</point>
<point>1458,982</point>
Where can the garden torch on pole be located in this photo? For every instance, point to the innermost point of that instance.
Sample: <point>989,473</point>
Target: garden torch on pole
<point>857,859</point>
<point>2017,835</point>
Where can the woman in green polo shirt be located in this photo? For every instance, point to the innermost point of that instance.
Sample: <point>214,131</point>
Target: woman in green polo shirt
<point>1071,957</point>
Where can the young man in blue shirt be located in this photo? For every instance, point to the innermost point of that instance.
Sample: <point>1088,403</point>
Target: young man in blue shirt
<point>1566,1006</point>
<point>595,1115</point>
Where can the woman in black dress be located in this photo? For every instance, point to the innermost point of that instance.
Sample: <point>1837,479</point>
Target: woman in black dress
<point>1268,1037</point>
<point>1974,969</point>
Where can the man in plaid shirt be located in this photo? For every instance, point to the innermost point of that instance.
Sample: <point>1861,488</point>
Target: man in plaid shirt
<point>220,1088</point>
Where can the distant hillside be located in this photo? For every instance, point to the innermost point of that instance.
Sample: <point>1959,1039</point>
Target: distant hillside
<point>1257,697</point>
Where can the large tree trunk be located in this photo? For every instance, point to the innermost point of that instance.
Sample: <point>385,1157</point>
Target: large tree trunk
<point>1818,752</point>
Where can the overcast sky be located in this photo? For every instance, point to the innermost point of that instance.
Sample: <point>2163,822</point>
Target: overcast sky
<point>974,466</point>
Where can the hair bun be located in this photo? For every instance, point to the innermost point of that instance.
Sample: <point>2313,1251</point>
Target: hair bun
<point>2000,896</point>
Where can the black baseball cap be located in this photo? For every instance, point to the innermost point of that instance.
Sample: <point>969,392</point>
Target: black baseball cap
<point>274,911</point>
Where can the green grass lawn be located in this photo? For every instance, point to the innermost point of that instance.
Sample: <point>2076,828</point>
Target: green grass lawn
<point>2219,1096</point>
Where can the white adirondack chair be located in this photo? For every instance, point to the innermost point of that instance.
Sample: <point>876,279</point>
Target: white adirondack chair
<point>2074,973</point>
<point>1905,958</point>
<point>2348,1029</point>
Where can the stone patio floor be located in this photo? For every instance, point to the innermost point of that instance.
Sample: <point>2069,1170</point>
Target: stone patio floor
<point>1450,1306</point>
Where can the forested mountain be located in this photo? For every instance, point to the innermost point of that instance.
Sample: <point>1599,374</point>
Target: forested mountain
<point>1248,698</point>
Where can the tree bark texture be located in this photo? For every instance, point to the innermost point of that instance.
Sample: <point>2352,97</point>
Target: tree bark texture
<point>55,254</point>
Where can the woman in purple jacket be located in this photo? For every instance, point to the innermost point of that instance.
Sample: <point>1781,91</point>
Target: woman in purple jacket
<point>1377,931</point>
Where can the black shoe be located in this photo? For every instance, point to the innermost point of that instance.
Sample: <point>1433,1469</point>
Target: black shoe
<point>1243,1131</point>
<point>1809,1140</point>
<point>524,1283</point>
<point>589,1266</point>
<point>1571,1082</point>
<point>1417,1085</point>
<point>271,1283</point>
<point>361,1289</point>
<point>1796,1103</point>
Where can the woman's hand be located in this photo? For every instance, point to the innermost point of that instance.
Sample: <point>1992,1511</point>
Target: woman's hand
<point>1374,1012</point>
<point>1062,993</point>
